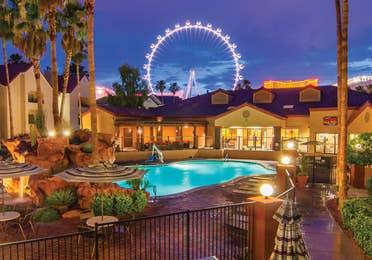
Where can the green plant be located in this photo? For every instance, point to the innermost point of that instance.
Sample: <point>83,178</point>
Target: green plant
<point>108,204</point>
<point>369,186</point>
<point>6,208</point>
<point>138,184</point>
<point>359,149</point>
<point>45,215</point>
<point>40,122</point>
<point>86,147</point>
<point>357,217</point>
<point>63,197</point>
<point>122,204</point>
<point>139,201</point>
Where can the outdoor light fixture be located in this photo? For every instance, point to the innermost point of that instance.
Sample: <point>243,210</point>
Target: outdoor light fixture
<point>291,145</point>
<point>66,133</point>
<point>51,133</point>
<point>266,190</point>
<point>286,160</point>
<point>186,126</point>
<point>358,146</point>
<point>139,131</point>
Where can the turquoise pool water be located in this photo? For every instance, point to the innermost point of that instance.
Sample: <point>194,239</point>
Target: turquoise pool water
<point>186,175</point>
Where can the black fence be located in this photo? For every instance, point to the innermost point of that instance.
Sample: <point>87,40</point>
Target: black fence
<point>321,169</point>
<point>225,232</point>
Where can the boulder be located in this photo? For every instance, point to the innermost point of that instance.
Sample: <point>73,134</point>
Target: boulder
<point>46,186</point>
<point>52,149</point>
<point>82,135</point>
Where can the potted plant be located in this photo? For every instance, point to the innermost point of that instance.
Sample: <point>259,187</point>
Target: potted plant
<point>302,177</point>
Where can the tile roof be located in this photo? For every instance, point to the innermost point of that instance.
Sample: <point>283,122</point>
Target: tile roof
<point>72,82</point>
<point>200,106</point>
<point>168,99</point>
<point>14,71</point>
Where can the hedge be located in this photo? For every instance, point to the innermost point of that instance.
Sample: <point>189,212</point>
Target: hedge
<point>357,217</point>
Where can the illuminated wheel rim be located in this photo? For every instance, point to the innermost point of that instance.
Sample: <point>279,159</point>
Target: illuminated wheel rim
<point>225,39</point>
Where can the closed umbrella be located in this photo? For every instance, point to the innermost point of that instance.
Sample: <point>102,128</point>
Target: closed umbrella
<point>101,173</point>
<point>9,169</point>
<point>289,243</point>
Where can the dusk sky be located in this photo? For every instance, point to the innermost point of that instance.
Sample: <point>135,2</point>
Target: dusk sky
<point>277,39</point>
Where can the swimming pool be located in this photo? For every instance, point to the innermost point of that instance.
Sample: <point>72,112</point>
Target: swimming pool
<point>186,175</point>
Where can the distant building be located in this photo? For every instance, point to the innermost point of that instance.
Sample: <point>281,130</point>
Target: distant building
<point>24,99</point>
<point>154,100</point>
<point>273,84</point>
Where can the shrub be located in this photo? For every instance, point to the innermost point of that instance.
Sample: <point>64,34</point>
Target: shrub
<point>138,184</point>
<point>63,197</point>
<point>357,217</point>
<point>6,208</point>
<point>122,204</point>
<point>359,149</point>
<point>139,201</point>
<point>369,186</point>
<point>86,147</point>
<point>45,215</point>
<point>108,204</point>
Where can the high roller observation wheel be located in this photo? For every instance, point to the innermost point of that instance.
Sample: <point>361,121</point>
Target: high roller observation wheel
<point>189,26</point>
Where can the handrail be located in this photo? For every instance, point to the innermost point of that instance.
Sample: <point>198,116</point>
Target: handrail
<point>160,154</point>
<point>291,188</point>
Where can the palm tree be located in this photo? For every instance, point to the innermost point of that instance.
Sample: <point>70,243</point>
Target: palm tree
<point>89,6</point>
<point>161,87</point>
<point>15,58</point>
<point>174,88</point>
<point>49,7</point>
<point>246,84</point>
<point>78,58</point>
<point>71,21</point>
<point>6,34</point>
<point>31,38</point>
<point>342,18</point>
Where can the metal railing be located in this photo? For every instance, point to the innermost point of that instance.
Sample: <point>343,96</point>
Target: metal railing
<point>225,232</point>
<point>290,191</point>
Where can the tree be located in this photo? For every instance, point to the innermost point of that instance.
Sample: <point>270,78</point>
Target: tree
<point>174,88</point>
<point>77,59</point>
<point>71,21</point>
<point>342,19</point>
<point>161,87</point>
<point>246,84</point>
<point>15,58</point>
<point>49,7</point>
<point>131,91</point>
<point>89,6</point>
<point>360,89</point>
<point>6,34</point>
<point>74,66</point>
<point>31,38</point>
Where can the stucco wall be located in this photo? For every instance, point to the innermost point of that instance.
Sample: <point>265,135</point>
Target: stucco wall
<point>143,156</point>
<point>362,123</point>
<point>105,122</point>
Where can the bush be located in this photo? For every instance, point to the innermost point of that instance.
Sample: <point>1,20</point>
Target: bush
<point>359,149</point>
<point>122,204</point>
<point>63,197</point>
<point>357,217</point>
<point>139,201</point>
<point>45,215</point>
<point>369,186</point>
<point>5,208</point>
<point>86,147</point>
<point>108,204</point>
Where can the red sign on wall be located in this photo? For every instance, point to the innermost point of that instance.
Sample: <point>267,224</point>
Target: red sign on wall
<point>330,120</point>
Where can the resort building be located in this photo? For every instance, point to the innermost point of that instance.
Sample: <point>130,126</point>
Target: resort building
<point>249,119</point>
<point>24,99</point>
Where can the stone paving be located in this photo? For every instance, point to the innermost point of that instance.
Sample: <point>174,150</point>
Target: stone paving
<point>323,236</point>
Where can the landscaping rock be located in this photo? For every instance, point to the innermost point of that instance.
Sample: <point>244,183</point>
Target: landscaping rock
<point>71,214</point>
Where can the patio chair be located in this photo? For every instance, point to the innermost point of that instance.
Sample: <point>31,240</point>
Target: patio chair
<point>22,223</point>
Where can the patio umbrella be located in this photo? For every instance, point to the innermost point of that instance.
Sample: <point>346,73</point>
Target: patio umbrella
<point>101,173</point>
<point>289,243</point>
<point>9,169</point>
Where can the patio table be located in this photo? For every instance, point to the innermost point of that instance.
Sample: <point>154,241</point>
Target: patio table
<point>91,222</point>
<point>7,216</point>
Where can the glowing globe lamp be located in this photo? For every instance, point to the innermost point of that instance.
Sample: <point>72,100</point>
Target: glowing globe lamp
<point>266,190</point>
<point>52,133</point>
<point>291,145</point>
<point>286,160</point>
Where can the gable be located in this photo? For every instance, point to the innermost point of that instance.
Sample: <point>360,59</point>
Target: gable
<point>310,94</point>
<point>361,121</point>
<point>220,98</point>
<point>248,115</point>
<point>263,97</point>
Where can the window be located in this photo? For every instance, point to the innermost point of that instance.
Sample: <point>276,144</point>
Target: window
<point>263,96</point>
<point>32,97</point>
<point>330,143</point>
<point>31,118</point>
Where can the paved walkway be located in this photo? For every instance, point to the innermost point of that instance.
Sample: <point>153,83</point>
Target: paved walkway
<point>323,236</point>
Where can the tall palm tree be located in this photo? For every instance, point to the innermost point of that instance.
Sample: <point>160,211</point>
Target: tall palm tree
<point>246,84</point>
<point>15,58</point>
<point>89,6</point>
<point>71,20</point>
<point>342,16</point>
<point>49,7</point>
<point>31,38</point>
<point>78,59</point>
<point>174,88</point>
<point>6,34</point>
<point>161,87</point>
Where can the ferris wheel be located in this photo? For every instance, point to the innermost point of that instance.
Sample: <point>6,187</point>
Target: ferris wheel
<point>212,45</point>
